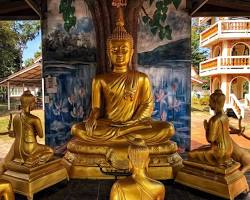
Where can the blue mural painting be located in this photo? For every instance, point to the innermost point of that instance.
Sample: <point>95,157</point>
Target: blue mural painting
<point>69,67</point>
<point>167,62</point>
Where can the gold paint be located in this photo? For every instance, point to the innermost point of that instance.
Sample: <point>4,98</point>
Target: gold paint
<point>220,150</point>
<point>128,101</point>
<point>26,128</point>
<point>122,105</point>
<point>29,166</point>
<point>6,190</point>
<point>211,168</point>
<point>138,185</point>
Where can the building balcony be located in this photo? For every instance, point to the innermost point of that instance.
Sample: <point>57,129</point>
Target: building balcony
<point>225,29</point>
<point>225,65</point>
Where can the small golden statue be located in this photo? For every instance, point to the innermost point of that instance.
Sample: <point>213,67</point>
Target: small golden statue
<point>28,163</point>
<point>211,168</point>
<point>26,128</point>
<point>6,190</point>
<point>139,185</point>
<point>122,105</point>
<point>217,133</point>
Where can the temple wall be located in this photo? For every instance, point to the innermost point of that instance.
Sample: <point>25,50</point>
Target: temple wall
<point>167,62</point>
<point>69,66</point>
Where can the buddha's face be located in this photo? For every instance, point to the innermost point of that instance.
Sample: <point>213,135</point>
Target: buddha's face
<point>120,52</point>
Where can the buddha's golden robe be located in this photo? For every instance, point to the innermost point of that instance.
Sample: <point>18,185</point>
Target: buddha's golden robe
<point>217,135</point>
<point>131,189</point>
<point>26,149</point>
<point>128,106</point>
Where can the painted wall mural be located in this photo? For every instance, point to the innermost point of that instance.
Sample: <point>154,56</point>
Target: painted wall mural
<point>69,66</point>
<point>164,54</point>
<point>70,63</point>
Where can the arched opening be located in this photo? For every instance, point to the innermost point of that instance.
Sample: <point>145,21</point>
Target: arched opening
<point>215,84</point>
<point>217,51</point>
<point>239,86</point>
<point>240,49</point>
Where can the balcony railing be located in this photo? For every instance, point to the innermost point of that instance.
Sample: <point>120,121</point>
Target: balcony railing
<point>224,29</point>
<point>228,64</point>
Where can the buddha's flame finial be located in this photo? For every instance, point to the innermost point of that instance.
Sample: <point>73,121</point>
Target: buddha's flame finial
<point>119,3</point>
<point>119,31</point>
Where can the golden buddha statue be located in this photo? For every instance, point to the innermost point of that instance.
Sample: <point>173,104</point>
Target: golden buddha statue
<point>127,97</point>
<point>139,185</point>
<point>6,190</point>
<point>26,128</point>
<point>211,168</point>
<point>217,133</point>
<point>122,105</point>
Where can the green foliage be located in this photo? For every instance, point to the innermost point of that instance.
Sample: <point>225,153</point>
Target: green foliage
<point>158,22</point>
<point>14,36</point>
<point>204,101</point>
<point>198,54</point>
<point>26,31</point>
<point>9,51</point>
<point>68,12</point>
<point>30,61</point>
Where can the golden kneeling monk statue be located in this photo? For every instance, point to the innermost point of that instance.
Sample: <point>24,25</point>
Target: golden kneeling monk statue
<point>28,163</point>
<point>6,190</point>
<point>217,133</point>
<point>211,168</point>
<point>139,185</point>
<point>26,128</point>
<point>122,105</point>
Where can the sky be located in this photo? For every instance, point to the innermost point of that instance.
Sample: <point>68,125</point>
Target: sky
<point>32,47</point>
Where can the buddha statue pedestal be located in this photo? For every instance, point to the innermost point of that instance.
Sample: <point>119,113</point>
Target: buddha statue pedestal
<point>226,182</point>
<point>29,180</point>
<point>100,161</point>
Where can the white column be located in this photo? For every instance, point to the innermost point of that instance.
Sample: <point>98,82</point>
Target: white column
<point>43,93</point>
<point>224,49</point>
<point>224,83</point>
<point>8,88</point>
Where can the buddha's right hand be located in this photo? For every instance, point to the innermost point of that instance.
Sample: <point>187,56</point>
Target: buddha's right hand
<point>90,125</point>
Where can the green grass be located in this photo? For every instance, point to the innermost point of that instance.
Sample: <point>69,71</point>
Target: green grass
<point>199,107</point>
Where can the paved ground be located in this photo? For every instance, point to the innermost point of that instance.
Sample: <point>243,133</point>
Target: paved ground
<point>198,134</point>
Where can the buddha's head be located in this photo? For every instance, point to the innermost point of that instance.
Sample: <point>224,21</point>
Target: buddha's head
<point>27,100</point>
<point>217,100</point>
<point>138,155</point>
<point>120,44</point>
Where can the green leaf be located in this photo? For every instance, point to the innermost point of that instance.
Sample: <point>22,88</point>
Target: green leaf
<point>168,31</point>
<point>167,2</point>
<point>145,19</point>
<point>159,4</point>
<point>164,9</point>
<point>154,30</point>
<point>162,34</point>
<point>176,3</point>
<point>164,17</point>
